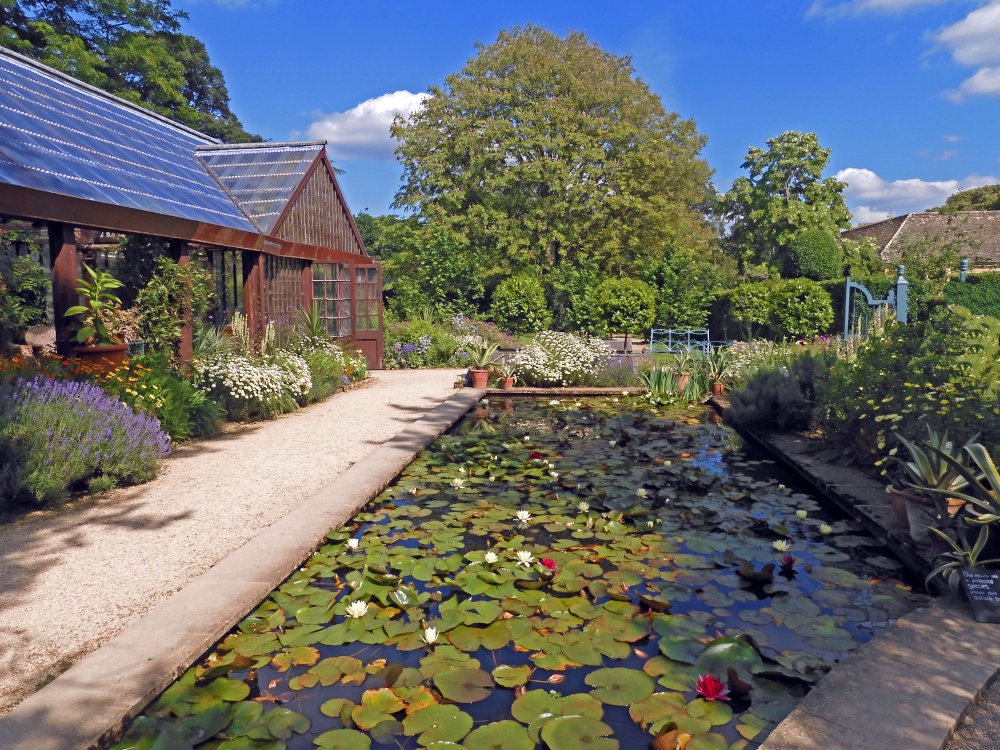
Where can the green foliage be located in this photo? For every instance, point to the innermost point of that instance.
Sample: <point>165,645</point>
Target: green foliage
<point>132,49</point>
<point>626,305</point>
<point>571,298</point>
<point>185,412</point>
<point>686,284</point>
<point>24,285</point>
<point>986,198</point>
<point>449,274</point>
<point>815,254</point>
<point>547,149</point>
<point>980,293</point>
<point>750,307</point>
<point>929,263</point>
<point>162,302</point>
<point>518,305</point>
<point>784,195</point>
<point>97,296</point>
<point>861,257</point>
<point>800,308</point>
<point>782,398</point>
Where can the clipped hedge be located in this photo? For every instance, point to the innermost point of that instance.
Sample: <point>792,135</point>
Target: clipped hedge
<point>980,294</point>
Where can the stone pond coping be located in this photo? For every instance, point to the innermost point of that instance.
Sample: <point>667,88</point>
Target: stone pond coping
<point>911,685</point>
<point>89,704</point>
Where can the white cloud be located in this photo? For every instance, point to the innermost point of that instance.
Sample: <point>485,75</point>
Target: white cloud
<point>872,198</point>
<point>859,7</point>
<point>952,138</point>
<point>973,41</point>
<point>362,132</point>
<point>984,82</point>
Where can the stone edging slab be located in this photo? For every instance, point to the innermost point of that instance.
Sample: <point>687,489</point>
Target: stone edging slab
<point>89,705</point>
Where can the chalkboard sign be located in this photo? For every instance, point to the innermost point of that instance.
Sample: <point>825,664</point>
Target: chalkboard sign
<point>983,590</point>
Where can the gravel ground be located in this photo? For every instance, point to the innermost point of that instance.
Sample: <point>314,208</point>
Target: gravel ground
<point>71,580</point>
<point>980,728</point>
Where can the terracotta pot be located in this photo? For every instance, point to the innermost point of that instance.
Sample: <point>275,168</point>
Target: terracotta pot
<point>682,381</point>
<point>506,383</point>
<point>508,406</point>
<point>106,358</point>
<point>480,378</point>
<point>897,501</point>
<point>717,389</point>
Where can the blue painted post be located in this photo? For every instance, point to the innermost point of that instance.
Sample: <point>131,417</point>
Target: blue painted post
<point>902,286</point>
<point>847,308</point>
<point>963,269</point>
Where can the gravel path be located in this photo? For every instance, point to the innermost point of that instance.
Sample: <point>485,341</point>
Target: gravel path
<point>71,580</point>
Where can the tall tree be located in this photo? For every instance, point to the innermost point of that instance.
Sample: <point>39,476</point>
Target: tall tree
<point>986,198</point>
<point>784,194</point>
<point>130,48</point>
<point>547,150</point>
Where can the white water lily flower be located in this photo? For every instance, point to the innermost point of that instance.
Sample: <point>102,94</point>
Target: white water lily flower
<point>584,506</point>
<point>801,513</point>
<point>357,609</point>
<point>457,483</point>
<point>461,469</point>
<point>523,516</point>
<point>430,636</point>
<point>825,528</point>
<point>525,558</point>
<point>579,404</point>
<point>553,403</point>
<point>554,474</point>
<point>493,478</point>
<point>527,438</point>
<point>353,543</point>
<point>642,492</point>
<point>781,545</point>
<point>491,557</point>
<point>612,443</point>
<point>781,486</point>
<point>649,524</point>
<point>624,393</point>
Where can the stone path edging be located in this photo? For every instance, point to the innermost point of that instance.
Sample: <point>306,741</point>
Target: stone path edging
<point>89,704</point>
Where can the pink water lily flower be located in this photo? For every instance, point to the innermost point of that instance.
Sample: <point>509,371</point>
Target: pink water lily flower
<point>711,688</point>
<point>549,563</point>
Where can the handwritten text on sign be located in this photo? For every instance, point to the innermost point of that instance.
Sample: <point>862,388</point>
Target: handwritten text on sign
<point>983,590</point>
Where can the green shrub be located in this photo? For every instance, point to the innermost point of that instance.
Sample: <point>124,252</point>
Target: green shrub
<point>626,305</point>
<point>518,305</point>
<point>571,299</point>
<point>326,365</point>
<point>24,285</point>
<point>161,303</point>
<point>815,254</point>
<point>750,307</point>
<point>980,294</point>
<point>800,308</point>
<point>782,398</point>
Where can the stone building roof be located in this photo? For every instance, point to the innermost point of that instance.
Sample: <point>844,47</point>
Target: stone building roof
<point>976,233</point>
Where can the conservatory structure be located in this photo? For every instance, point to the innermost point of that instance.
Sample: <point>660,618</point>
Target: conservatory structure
<point>268,219</point>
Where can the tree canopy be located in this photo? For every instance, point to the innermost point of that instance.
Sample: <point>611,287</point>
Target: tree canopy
<point>546,150</point>
<point>131,48</point>
<point>784,194</point>
<point>986,198</point>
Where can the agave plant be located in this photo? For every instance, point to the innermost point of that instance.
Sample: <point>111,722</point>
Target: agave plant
<point>483,358</point>
<point>960,556</point>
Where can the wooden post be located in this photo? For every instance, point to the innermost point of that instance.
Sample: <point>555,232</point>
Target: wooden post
<point>65,280</point>
<point>181,253</point>
<point>307,287</point>
<point>253,292</point>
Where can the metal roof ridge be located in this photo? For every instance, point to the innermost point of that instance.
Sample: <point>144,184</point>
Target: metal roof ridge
<point>67,78</point>
<point>219,146</point>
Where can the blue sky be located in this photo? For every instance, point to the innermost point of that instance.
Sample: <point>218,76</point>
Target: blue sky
<point>906,93</point>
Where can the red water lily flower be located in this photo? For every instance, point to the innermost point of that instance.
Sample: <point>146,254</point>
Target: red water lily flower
<point>711,688</point>
<point>536,454</point>
<point>549,563</point>
<point>788,561</point>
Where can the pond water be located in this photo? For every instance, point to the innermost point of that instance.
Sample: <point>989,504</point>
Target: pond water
<point>646,576</point>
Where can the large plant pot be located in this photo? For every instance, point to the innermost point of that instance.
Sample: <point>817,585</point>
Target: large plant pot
<point>682,381</point>
<point>506,383</point>
<point>480,378</point>
<point>717,389</point>
<point>104,358</point>
<point>897,501</point>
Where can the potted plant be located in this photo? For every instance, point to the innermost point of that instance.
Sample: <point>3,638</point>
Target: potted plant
<point>508,374</point>
<point>682,372</point>
<point>931,477</point>
<point>717,364</point>
<point>481,360</point>
<point>100,344</point>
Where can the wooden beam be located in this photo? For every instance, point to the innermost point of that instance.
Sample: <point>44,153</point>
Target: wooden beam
<point>253,292</point>
<point>65,280</point>
<point>181,253</point>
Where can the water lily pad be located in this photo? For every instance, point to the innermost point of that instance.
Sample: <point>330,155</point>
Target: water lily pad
<point>376,706</point>
<point>464,685</point>
<point>574,732</point>
<point>508,676</point>
<point>438,723</point>
<point>344,739</point>
<point>500,735</point>
<point>618,686</point>
<point>282,723</point>
<point>723,653</point>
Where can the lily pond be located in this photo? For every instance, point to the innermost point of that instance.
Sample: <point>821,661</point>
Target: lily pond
<point>564,574</point>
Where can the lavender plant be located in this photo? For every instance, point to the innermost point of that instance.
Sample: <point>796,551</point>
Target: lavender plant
<point>55,435</point>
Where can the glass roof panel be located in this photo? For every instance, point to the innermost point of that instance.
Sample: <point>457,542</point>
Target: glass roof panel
<point>64,138</point>
<point>261,179</point>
